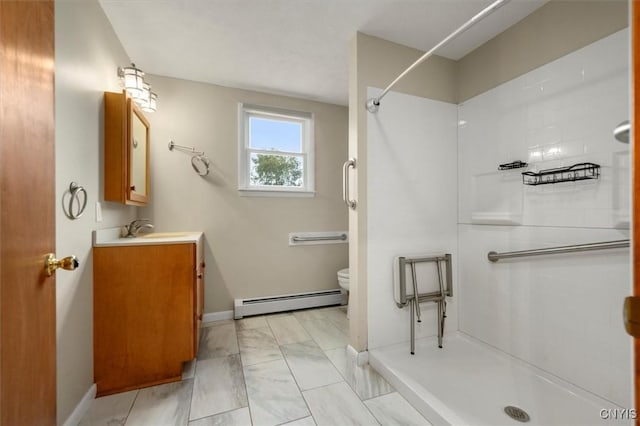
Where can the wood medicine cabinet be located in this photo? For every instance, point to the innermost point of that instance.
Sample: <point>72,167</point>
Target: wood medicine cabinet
<point>126,151</point>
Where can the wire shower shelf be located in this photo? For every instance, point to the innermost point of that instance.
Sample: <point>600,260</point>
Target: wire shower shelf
<point>579,171</point>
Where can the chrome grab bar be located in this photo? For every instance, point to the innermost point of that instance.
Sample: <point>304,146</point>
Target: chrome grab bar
<point>494,257</point>
<point>341,237</point>
<point>351,162</point>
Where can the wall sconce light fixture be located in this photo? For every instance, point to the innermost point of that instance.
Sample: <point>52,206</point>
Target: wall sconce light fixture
<point>140,91</point>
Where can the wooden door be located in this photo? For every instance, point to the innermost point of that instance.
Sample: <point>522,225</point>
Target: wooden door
<point>635,122</point>
<point>27,224</point>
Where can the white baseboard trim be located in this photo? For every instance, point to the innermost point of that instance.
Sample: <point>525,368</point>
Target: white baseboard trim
<point>217,316</point>
<point>361,358</point>
<point>82,408</point>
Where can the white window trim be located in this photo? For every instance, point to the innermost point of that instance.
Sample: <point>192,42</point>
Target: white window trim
<point>244,152</point>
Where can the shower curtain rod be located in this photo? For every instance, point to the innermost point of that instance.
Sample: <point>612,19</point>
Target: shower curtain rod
<point>374,103</point>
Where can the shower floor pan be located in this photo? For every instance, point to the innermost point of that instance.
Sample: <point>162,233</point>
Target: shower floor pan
<point>470,383</point>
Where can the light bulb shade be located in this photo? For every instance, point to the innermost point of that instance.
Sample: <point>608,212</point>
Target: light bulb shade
<point>138,89</point>
<point>152,104</point>
<point>143,98</point>
<point>133,80</point>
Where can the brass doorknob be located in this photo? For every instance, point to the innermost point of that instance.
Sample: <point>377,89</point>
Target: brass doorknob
<point>51,263</point>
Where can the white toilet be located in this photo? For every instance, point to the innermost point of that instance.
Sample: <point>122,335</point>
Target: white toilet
<point>343,280</point>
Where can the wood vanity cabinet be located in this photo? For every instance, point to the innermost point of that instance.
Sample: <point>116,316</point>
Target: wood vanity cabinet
<point>126,151</point>
<point>147,313</point>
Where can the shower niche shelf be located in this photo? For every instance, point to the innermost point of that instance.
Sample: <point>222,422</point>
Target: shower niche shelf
<point>579,171</point>
<point>513,165</point>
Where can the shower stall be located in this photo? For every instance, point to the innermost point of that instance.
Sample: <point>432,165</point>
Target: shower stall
<point>531,338</point>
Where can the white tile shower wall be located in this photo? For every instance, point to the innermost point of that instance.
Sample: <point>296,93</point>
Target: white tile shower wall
<point>412,204</point>
<point>557,115</point>
<point>560,313</point>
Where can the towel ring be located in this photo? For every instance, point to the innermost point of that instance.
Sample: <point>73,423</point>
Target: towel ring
<point>200,164</point>
<point>199,161</point>
<point>77,197</point>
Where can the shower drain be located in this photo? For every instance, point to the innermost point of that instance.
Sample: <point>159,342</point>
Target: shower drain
<point>516,413</point>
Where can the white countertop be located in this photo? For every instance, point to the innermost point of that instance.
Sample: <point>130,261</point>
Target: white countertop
<point>110,237</point>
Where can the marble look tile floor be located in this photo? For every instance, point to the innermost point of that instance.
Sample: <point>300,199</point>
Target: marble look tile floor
<point>281,369</point>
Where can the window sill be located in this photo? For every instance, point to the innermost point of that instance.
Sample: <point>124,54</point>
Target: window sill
<point>275,193</point>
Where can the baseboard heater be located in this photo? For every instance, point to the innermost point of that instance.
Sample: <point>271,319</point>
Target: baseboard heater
<point>287,302</point>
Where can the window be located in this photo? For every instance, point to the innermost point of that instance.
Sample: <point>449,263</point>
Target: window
<point>275,152</point>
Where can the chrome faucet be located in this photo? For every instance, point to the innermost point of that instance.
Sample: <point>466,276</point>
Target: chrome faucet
<point>136,226</point>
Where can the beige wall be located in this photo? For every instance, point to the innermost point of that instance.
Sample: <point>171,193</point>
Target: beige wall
<point>381,61</point>
<point>247,252</point>
<point>358,324</point>
<point>87,55</point>
<point>554,30</point>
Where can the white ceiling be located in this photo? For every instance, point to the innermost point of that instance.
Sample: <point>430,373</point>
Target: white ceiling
<point>290,47</point>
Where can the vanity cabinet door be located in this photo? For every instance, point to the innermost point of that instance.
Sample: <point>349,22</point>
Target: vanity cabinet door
<point>126,147</point>
<point>143,314</point>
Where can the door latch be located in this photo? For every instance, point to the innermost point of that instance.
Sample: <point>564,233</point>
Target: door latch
<point>631,314</point>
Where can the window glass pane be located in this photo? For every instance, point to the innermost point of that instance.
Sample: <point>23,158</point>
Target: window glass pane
<point>276,170</point>
<point>275,134</point>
